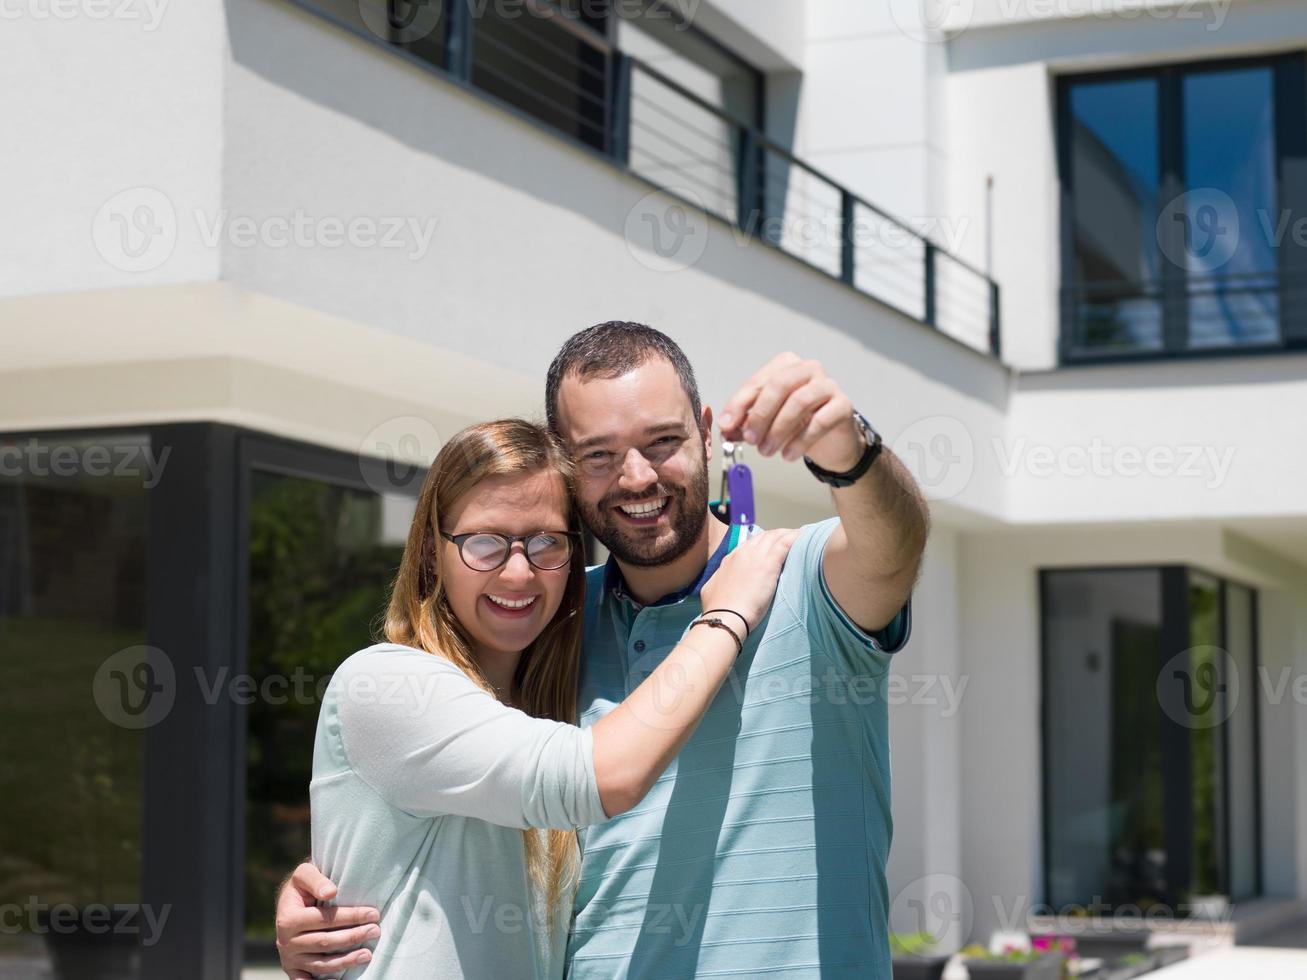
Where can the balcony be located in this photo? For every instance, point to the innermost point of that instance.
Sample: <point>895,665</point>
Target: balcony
<point>572,75</point>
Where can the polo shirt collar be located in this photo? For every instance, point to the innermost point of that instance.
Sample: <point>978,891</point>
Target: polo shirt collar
<point>615,585</point>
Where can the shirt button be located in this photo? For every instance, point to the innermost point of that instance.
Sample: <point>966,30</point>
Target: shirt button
<point>639,646</point>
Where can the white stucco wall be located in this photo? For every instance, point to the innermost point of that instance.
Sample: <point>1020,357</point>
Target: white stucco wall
<point>117,102</point>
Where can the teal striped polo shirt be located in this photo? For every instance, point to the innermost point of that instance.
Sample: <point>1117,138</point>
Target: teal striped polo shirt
<point>761,851</point>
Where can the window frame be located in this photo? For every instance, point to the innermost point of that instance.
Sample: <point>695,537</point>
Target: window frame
<point>1289,89</point>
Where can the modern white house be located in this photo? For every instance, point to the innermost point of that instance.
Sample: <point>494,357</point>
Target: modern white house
<point>258,257</point>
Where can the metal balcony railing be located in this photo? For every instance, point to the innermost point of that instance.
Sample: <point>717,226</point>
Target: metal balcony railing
<point>549,65</point>
<point>1184,315</point>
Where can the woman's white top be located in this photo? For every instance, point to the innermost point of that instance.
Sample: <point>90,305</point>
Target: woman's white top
<point>422,784</point>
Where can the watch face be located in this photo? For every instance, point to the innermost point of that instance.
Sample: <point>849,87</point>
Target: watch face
<point>868,430</point>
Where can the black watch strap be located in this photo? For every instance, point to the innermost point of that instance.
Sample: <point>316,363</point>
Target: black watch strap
<point>850,477</point>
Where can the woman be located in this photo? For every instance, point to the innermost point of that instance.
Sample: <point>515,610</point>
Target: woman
<point>448,776</point>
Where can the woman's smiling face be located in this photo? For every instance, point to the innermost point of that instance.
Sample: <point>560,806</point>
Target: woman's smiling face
<point>490,605</point>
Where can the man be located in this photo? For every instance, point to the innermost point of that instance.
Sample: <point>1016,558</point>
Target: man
<point>762,850</point>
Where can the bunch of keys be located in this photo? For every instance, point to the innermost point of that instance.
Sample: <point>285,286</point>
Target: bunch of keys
<point>735,501</point>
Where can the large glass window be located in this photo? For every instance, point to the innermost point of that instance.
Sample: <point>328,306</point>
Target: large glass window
<point>1174,240</point>
<point>1150,755</point>
<point>1229,168</point>
<point>1114,153</point>
<point>73,530</point>
<point>549,67</point>
<point>321,558</point>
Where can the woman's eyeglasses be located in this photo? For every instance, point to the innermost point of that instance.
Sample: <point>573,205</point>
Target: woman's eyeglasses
<point>485,551</point>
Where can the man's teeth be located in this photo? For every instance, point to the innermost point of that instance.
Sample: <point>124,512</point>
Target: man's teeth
<point>646,509</point>
<point>511,603</point>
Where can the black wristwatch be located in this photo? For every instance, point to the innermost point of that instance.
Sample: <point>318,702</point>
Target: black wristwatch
<point>850,477</point>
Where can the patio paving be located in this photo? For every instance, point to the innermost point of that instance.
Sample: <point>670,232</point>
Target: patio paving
<point>1239,963</point>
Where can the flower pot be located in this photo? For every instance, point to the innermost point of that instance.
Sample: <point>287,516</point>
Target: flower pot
<point>1126,971</point>
<point>919,967</point>
<point>1109,948</point>
<point>1043,968</point>
<point>1166,955</point>
<point>1210,907</point>
<point>76,954</point>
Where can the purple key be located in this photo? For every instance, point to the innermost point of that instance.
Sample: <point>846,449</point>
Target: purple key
<point>739,481</point>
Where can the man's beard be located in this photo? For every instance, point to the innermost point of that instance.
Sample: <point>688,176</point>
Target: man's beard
<point>690,509</point>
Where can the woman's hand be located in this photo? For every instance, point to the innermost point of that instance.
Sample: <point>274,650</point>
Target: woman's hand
<point>745,582</point>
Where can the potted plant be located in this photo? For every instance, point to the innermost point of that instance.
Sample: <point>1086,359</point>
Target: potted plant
<point>1044,960</point>
<point>915,958</point>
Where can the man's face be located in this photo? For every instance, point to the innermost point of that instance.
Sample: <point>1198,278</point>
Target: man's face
<point>642,461</point>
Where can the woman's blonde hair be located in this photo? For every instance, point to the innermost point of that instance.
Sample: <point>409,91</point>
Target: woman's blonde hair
<point>420,616</point>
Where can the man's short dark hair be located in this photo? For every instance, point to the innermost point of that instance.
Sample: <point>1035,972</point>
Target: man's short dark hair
<point>610,350</point>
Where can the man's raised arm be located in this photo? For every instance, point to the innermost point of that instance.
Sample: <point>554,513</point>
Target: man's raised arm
<point>793,407</point>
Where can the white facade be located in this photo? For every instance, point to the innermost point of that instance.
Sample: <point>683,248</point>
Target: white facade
<point>223,117</point>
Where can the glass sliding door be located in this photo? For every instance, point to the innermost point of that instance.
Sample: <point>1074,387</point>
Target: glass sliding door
<point>1241,743</point>
<point>1207,689</point>
<point>1150,737</point>
<point>1103,761</point>
<point>322,552</point>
